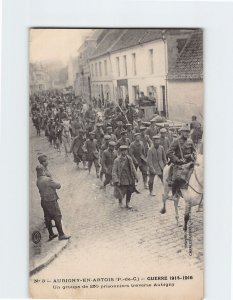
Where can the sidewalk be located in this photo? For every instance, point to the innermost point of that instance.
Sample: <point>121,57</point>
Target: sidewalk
<point>43,252</point>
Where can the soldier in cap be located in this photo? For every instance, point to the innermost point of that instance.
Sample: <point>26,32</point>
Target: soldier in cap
<point>43,160</point>
<point>138,154</point>
<point>66,136</point>
<point>196,130</point>
<point>124,140</point>
<point>47,189</point>
<point>37,121</point>
<point>147,142</point>
<point>139,124</point>
<point>119,129</point>
<point>109,132</point>
<point>180,154</point>
<point>104,146</point>
<point>90,127</point>
<point>77,148</point>
<point>124,176</point>
<point>169,132</point>
<point>156,159</point>
<point>92,153</point>
<point>99,134</point>
<point>108,158</point>
<point>130,133</point>
<point>152,130</point>
<point>164,141</point>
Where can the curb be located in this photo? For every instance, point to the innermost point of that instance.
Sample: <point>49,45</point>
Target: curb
<point>49,260</point>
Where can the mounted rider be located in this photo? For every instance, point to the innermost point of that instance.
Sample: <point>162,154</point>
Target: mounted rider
<point>182,155</point>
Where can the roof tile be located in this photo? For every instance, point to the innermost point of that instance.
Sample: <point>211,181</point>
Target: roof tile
<point>189,65</point>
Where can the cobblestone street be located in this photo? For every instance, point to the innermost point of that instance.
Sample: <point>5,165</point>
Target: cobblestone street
<point>104,235</point>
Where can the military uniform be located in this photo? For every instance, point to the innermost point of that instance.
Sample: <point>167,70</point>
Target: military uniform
<point>147,142</point>
<point>164,141</point>
<point>47,189</point>
<point>92,149</point>
<point>138,154</point>
<point>124,176</point>
<point>156,159</point>
<point>108,158</point>
<point>196,131</point>
<point>77,149</point>
<point>174,152</point>
<point>99,135</point>
<point>152,131</point>
<point>118,131</point>
<point>181,152</point>
<point>130,135</point>
<point>122,142</point>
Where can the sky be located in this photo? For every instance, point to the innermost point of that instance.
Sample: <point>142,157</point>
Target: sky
<point>55,44</point>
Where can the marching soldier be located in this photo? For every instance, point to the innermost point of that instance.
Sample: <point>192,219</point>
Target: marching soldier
<point>181,152</point>
<point>124,176</point>
<point>138,154</point>
<point>147,142</point>
<point>169,133</point>
<point>124,140</point>
<point>92,150</point>
<point>112,135</point>
<point>77,148</point>
<point>108,158</point>
<point>119,129</point>
<point>139,124</point>
<point>130,133</point>
<point>164,141</point>
<point>196,130</point>
<point>104,146</point>
<point>156,159</point>
<point>90,127</point>
<point>99,134</point>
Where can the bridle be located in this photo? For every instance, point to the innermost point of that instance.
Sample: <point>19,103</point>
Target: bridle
<point>195,175</point>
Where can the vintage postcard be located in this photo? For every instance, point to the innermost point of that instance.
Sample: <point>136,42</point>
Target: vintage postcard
<point>116,163</point>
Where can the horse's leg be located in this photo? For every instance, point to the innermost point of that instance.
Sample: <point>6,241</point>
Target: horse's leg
<point>176,202</point>
<point>186,216</point>
<point>164,198</point>
<point>163,209</point>
<point>200,206</point>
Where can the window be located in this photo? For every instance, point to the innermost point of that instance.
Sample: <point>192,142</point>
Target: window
<point>100,68</point>
<point>118,66</point>
<point>96,70</point>
<point>134,64</point>
<point>135,92</point>
<point>151,61</point>
<point>105,67</point>
<point>92,70</point>
<point>125,64</point>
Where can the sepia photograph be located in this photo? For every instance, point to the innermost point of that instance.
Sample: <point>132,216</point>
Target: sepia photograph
<point>116,164</point>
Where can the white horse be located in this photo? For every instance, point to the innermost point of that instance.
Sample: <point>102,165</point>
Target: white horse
<point>193,195</point>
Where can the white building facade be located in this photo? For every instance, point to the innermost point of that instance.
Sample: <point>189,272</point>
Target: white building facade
<point>140,69</point>
<point>137,61</point>
<point>127,72</point>
<point>102,78</point>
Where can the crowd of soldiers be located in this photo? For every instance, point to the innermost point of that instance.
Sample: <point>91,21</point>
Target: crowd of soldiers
<point>117,141</point>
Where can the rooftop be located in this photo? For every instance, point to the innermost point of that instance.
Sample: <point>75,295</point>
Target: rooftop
<point>107,42</point>
<point>189,65</point>
<point>119,39</point>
